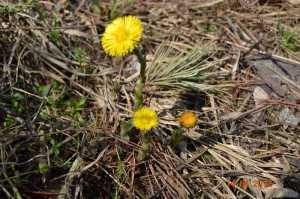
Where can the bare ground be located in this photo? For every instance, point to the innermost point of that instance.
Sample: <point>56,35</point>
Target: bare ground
<point>64,103</point>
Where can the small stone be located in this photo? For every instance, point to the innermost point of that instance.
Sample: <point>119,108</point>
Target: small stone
<point>287,116</point>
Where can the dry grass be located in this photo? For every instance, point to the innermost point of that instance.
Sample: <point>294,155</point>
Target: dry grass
<point>62,101</point>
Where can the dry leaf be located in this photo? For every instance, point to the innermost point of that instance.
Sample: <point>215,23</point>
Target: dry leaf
<point>281,75</point>
<point>244,183</point>
<point>262,183</point>
<point>260,96</point>
<point>285,193</point>
<point>295,2</point>
<point>232,184</point>
<point>193,135</point>
<point>231,116</point>
<point>73,32</point>
<point>100,101</point>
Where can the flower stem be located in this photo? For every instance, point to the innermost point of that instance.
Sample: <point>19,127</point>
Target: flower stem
<point>143,152</point>
<point>142,59</point>
<point>140,83</point>
<point>138,95</point>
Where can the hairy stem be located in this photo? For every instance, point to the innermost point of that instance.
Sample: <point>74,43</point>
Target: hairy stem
<point>140,83</point>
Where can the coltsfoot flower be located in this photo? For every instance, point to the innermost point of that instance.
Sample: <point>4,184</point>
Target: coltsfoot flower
<point>145,119</point>
<point>122,36</point>
<point>188,119</point>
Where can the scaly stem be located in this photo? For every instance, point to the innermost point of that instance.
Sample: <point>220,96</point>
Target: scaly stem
<point>143,152</point>
<point>142,59</point>
<point>140,83</point>
<point>139,101</point>
<point>138,95</point>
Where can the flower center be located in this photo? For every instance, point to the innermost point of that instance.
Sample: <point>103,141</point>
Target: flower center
<point>121,34</point>
<point>146,119</point>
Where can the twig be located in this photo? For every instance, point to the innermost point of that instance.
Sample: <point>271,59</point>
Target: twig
<point>94,162</point>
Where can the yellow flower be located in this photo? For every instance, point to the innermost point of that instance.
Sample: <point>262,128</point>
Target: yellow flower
<point>145,119</point>
<point>188,119</point>
<point>122,36</point>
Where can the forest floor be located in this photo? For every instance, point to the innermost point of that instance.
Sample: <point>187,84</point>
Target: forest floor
<point>65,104</point>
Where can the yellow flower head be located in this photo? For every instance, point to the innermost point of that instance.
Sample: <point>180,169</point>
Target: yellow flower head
<point>145,119</point>
<point>188,119</point>
<point>122,36</point>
